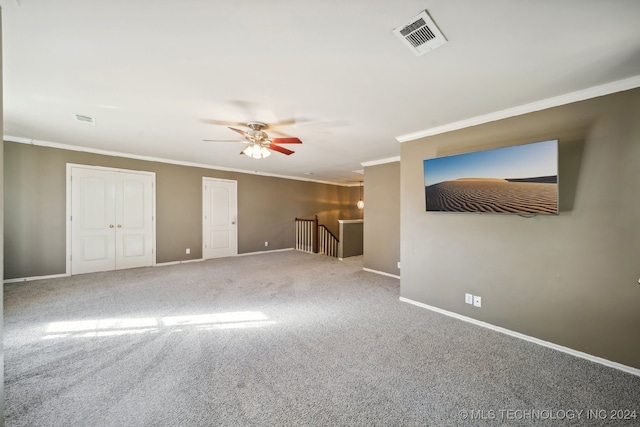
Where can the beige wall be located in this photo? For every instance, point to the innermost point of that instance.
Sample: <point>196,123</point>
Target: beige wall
<point>351,239</point>
<point>1,238</point>
<point>382,218</point>
<point>570,279</point>
<point>35,206</point>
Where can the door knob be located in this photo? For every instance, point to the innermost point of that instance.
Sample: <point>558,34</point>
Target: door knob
<point>119,225</point>
<point>110,225</point>
<point>233,222</point>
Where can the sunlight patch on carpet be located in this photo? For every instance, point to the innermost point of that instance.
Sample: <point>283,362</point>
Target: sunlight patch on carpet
<point>132,326</point>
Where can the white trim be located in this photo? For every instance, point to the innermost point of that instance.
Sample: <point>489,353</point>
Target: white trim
<point>186,261</point>
<point>265,252</point>
<point>590,357</point>
<point>556,101</point>
<point>154,198</point>
<point>351,221</point>
<point>30,278</point>
<point>164,264</point>
<point>109,169</point>
<point>22,140</point>
<point>381,161</point>
<point>160,264</point>
<point>68,221</point>
<point>18,139</point>
<point>381,272</point>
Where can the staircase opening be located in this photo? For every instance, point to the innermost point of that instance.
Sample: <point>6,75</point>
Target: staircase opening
<point>315,238</point>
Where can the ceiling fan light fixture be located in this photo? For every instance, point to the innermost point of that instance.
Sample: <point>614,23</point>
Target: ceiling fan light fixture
<point>256,151</point>
<point>264,152</point>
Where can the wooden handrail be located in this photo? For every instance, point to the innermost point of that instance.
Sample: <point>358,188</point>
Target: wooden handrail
<point>319,225</point>
<point>314,245</point>
<point>329,231</point>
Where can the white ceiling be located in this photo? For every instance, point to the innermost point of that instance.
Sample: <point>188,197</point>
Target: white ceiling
<point>153,72</point>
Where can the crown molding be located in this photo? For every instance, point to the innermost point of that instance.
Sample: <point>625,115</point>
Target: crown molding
<point>41,143</point>
<point>556,101</point>
<point>381,161</point>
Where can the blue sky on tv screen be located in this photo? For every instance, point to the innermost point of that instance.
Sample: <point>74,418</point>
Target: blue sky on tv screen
<point>520,161</point>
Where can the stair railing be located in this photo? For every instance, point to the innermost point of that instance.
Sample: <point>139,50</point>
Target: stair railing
<point>315,238</point>
<point>306,231</point>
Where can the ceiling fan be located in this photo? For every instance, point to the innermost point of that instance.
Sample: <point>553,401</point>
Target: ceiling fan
<point>258,142</point>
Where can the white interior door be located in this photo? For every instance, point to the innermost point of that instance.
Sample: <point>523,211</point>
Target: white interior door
<point>111,219</point>
<point>220,217</point>
<point>134,235</point>
<point>93,202</point>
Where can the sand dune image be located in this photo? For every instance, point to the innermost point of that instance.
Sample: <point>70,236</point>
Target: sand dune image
<point>493,195</point>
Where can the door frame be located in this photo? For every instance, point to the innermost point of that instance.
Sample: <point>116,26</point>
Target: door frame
<point>204,181</point>
<point>70,166</point>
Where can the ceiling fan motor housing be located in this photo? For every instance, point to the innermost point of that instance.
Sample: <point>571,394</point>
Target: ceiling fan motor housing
<point>256,125</point>
<point>256,133</point>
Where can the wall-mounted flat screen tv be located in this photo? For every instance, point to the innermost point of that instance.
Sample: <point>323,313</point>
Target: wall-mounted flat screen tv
<point>521,179</point>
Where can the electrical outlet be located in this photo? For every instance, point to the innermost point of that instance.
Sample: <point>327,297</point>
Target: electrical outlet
<point>477,301</point>
<point>399,267</point>
<point>188,251</point>
<point>266,244</point>
<point>468,298</point>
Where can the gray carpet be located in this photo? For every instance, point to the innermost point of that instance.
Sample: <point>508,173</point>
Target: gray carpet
<point>284,338</point>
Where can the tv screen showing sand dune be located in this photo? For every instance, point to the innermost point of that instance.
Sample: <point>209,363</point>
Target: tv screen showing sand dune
<point>521,179</point>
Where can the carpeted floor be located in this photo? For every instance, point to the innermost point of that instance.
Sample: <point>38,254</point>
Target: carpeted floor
<point>279,339</point>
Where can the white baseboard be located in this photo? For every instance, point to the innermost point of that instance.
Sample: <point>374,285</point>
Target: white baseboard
<point>162,264</point>
<point>590,357</point>
<point>159,264</point>
<point>28,279</point>
<point>381,272</point>
<point>266,252</point>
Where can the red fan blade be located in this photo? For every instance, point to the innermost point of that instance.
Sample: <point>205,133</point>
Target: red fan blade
<point>241,132</point>
<point>286,141</point>
<point>279,149</point>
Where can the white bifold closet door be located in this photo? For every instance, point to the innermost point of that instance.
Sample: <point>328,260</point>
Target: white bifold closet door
<point>111,219</point>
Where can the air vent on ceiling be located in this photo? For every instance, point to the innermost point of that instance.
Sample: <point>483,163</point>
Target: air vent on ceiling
<point>85,119</point>
<point>420,34</point>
